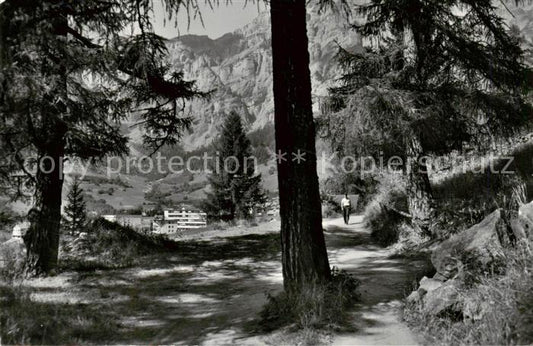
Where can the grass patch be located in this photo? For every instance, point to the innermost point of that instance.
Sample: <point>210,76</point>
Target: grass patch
<point>465,199</point>
<point>107,245</point>
<point>497,310</point>
<point>461,200</point>
<point>260,247</point>
<point>24,321</point>
<point>219,225</point>
<point>318,307</point>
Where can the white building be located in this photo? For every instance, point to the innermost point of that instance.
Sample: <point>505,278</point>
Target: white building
<point>110,218</point>
<point>174,221</point>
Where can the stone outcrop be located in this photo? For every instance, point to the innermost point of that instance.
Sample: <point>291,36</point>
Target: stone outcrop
<point>477,249</point>
<point>437,297</point>
<point>444,299</point>
<point>428,285</point>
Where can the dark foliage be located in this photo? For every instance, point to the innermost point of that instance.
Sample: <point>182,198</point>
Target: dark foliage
<point>24,321</point>
<point>75,210</point>
<point>235,185</point>
<point>456,78</point>
<point>68,77</point>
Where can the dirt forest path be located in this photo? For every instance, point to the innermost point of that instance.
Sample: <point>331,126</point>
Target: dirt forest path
<point>209,290</point>
<point>385,281</point>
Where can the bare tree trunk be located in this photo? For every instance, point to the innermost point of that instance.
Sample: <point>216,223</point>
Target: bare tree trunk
<point>42,240</point>
<point>304,255</point>
<point>419,194</point>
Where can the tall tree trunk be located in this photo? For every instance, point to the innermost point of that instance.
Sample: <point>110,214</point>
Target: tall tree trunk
<point>42,240</point>
<point>419,194</point>
<point>304,255</point>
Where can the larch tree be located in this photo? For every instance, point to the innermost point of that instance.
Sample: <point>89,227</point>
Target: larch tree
<point>75,210</point>
<point>304,256</point>
<point>236,186</point>
<point>439,74</point>
<point>69,74</point>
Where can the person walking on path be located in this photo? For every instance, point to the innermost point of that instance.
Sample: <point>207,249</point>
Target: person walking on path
<point>346,206</point>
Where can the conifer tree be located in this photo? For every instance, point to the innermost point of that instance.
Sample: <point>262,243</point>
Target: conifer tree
<point>75,211</point>
<point>236,188</point>
<point>442,73</point>
<point>69,75</point>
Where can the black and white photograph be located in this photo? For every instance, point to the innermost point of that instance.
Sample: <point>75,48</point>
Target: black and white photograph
<point>266,172</point>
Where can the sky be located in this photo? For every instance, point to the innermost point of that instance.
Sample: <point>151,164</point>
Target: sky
<point>217,21</point>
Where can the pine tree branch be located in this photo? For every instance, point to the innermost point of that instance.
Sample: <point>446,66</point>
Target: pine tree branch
<point>507,8</point>
<point>86,41</point>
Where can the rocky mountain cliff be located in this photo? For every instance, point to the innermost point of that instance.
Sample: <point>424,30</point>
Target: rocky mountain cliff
<point>238,67</point>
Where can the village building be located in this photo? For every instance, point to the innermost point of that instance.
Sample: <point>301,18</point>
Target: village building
<point>174,221</point>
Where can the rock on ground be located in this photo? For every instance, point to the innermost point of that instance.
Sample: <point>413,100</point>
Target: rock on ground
<point>475,249</point>
<point>443,299</point>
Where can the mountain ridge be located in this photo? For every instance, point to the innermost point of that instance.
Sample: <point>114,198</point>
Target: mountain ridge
<point>238,66</point>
